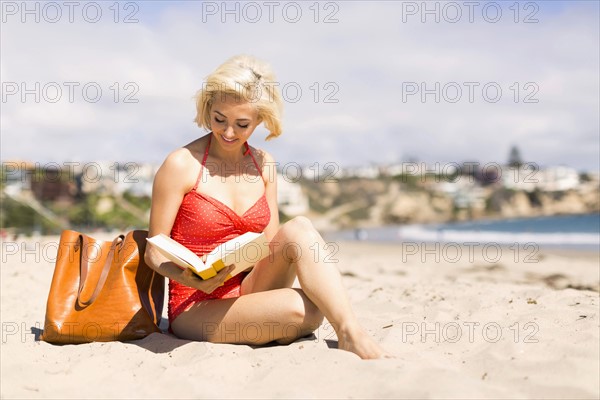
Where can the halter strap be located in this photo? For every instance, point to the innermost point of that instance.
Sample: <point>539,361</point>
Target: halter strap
<point>202,165</point>
<point>253,159</point>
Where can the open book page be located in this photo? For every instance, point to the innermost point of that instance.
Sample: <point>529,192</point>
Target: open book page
<point>181,255</point>
<point>244,251</point>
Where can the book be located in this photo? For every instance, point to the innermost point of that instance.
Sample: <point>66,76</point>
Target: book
<point>244,251</point>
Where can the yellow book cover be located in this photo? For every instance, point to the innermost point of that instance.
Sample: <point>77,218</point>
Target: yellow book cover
<point>244,251</point>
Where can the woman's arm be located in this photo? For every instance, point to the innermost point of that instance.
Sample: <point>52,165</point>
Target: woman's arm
<point>270,176</point>
<point>169,187</point>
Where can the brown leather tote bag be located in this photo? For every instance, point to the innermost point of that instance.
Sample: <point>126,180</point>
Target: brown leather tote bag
<point>102,291</point>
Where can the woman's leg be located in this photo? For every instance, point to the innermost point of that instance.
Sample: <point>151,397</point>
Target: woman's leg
<point>281,315</point>
<point>299,250</point>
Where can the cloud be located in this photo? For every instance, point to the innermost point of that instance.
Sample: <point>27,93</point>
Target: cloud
<point>363,61</point>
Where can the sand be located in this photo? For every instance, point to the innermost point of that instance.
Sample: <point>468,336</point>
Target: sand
<point>487,322</point>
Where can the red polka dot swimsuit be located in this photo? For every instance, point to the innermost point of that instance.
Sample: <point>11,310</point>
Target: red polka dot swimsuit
<point>202,223</point>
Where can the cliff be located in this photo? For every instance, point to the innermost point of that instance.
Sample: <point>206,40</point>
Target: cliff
<point>361,202</point>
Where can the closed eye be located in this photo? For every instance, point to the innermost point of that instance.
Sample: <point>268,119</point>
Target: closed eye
<point>220,121</point>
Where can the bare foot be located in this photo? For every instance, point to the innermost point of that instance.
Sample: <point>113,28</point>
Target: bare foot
<point>360,343</point>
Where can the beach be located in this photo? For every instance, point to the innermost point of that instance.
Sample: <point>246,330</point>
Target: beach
<point>463,322</point>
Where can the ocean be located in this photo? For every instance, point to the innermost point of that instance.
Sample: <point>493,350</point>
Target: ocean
<point>581,232</point>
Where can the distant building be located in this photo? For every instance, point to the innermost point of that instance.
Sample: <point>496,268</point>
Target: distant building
<point>525,177</point>
<point>392,169</point>
<point>365,171</point>
<point>560,178</point>
<point>117,178</point>
<point>464,191</point>
<point>528,177</point>
<point>17,175</point>
<point>46,182</point>
<point>136,179</point>
<point>292,200</point>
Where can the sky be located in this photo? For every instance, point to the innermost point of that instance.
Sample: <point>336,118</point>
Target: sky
<point>365,82</point>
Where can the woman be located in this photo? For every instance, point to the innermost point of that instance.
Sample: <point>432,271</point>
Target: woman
<point>218,187</point>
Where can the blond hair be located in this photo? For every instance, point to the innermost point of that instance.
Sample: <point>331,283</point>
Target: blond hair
<point>248,79</point>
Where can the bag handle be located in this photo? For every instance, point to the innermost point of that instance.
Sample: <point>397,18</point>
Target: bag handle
<point>105,268</point>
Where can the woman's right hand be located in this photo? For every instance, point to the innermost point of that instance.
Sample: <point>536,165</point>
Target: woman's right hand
<point>192,280</point>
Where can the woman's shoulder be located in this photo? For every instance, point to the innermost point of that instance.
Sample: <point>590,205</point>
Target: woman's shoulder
<point>262,156</point>
<point>176,162</point>
<point>266,162</point>
<point>182,157</point>
<point>182,162</point>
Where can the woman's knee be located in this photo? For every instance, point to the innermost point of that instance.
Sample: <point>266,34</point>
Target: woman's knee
<point>299,235</point>
<point>302,222</point>
<point>298,226</point>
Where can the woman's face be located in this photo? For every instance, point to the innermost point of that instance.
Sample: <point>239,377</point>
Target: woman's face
<point>232,121</point>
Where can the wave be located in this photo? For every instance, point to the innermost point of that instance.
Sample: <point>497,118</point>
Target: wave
<point>575,232</point>
<point>450,235</point>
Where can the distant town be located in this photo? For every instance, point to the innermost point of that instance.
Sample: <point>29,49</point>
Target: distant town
<point>49,192</point>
